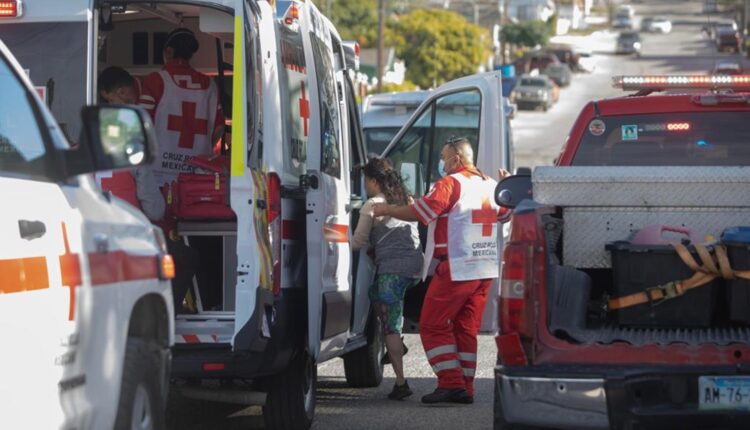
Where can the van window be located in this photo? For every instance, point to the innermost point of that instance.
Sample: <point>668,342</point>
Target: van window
<point>408,157</point>
<point>54,54</point>
<point>22,149</point>
<point>330,123</point>
<point>296,93</point>
<point>456,115</point>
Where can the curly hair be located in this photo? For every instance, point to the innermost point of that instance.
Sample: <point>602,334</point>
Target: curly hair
<point>389,179</point>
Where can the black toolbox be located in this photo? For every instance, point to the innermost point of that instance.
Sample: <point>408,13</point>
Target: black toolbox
<point>636,268</point>
<point>737,242</point>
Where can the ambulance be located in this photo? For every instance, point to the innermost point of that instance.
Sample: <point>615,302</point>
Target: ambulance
<point>86,317</point>
<point>278,289</point>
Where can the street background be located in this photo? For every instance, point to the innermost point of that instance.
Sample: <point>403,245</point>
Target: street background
<point>538,140</point>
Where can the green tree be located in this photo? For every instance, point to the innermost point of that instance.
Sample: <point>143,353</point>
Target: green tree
<point>526,33</point>
<point>356,20</point>
<point>438,45</point>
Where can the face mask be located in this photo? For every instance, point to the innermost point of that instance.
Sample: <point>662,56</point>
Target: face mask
<point>441,168</point>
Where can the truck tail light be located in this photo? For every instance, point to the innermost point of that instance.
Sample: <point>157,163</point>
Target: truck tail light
<point>10,8</point>
<point>274,228</point>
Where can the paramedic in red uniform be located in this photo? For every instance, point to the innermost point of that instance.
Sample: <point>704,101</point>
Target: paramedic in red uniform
<point>188,119</point>
<point>137,186</point>
<point>184,105</point>
<point>462,236</point>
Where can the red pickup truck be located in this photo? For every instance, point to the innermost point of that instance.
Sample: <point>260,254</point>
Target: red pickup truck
<point>601,331</point>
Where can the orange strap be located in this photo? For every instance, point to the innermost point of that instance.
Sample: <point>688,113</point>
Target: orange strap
<point>712,267</point>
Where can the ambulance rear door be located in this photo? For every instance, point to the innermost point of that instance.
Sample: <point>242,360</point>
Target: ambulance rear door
<point>328,196</point>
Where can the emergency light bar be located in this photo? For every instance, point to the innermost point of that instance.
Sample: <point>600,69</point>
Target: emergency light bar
<point>663,82</point>
<point>11,8</point>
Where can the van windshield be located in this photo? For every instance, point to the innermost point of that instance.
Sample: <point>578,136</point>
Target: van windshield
<point>376,139</point>
<point>54,56</point>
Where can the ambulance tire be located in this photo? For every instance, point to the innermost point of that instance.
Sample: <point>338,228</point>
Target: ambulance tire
<point>290,396</point>
<point>363,367</point>
<point>140,393</point>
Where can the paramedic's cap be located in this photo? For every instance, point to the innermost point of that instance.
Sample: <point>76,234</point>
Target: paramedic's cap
<point>183,42</point>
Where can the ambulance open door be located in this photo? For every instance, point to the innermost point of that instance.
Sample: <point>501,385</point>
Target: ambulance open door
<point>327,198</point>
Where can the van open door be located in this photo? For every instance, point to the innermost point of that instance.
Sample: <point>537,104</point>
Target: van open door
<point>327,198</point>
<point>470,107</point>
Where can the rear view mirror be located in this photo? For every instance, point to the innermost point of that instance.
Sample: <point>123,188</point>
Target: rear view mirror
<point>118,137</point>
<point>512,190</point>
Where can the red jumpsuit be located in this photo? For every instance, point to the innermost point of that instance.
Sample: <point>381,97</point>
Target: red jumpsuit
<point>463,215</point>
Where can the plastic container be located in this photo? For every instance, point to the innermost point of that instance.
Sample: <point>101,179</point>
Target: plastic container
<point>638,267</point>
<point>658,234</point>
<point>737,241</point>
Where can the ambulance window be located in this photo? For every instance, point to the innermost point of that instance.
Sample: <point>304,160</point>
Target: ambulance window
<point>457,115</point>
<point>408,154</point>
<point>330,122</point>
<point>22,147</point>
<point>296,93</point>
<point>54,54</point>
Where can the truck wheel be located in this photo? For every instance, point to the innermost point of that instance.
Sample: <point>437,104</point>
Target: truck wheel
<point>364,367</point>
<point>141,405</point>
<point>290,398</point>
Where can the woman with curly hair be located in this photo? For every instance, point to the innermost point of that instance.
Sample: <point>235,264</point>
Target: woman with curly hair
<point>398,258</point>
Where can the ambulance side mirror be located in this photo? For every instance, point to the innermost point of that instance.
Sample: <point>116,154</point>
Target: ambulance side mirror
<point>512,190</point>
<point>118,137</point>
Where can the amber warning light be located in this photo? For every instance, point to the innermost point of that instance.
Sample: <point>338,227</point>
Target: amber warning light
<point>10,8</point>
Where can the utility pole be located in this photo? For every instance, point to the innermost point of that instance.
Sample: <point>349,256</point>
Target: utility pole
<point>381,65</point>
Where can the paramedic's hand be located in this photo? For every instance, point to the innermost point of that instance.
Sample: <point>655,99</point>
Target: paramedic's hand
<point>502,173</point>
<point>380,209</point>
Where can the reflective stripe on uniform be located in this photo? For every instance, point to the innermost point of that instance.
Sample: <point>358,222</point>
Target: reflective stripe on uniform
<point>467,356</point>
<point>444,349</point>
<point>469,371</point>
<point>426,209</point>
<point>421,211</point>
<point>444,365</point>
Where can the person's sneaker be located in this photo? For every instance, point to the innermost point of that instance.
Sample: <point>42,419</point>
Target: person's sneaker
<point>400,392</point>
<point>387,358</point>
<point>448,395</point>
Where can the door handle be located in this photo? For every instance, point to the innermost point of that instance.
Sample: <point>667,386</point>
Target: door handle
<point>31,230</point>
<point>355,204</point>
<point>101,242</point>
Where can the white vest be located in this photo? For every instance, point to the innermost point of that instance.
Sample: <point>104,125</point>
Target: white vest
<point>473,250</point>
<point>184,123</point>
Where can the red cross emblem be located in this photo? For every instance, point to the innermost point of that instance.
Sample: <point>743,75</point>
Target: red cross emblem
<point>304,106</point>
<point>187,125</point>
<point>485,216</point>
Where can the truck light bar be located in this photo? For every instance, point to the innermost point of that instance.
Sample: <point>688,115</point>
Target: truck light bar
<point>10,8</point>
<point>656,82</point>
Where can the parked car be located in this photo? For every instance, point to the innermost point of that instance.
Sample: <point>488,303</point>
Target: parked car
<point>628,42</point>
<point>538,60</point>
<point>623,21</point>
<point>727,39</point>
<point>559,73</point>
<point>657,24</point>
<point>724,25</point>
<point>727,68</point>
<point>710,6</point>
<point>535,91</point>
<point>567,54</point>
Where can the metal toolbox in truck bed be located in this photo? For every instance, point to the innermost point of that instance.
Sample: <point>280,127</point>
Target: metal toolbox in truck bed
<point>608,186</point>
<point>605,204</point>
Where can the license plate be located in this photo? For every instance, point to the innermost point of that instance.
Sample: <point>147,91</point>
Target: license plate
<point>724,392</point>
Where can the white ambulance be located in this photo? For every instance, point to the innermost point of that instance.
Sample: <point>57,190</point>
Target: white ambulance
<point>85,300</point>
<point>278,290</point>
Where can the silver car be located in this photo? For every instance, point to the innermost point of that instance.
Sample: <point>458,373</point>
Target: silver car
<point>534,92</point>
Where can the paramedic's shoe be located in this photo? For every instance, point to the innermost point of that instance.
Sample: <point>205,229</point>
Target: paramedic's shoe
<point>448,395</point>
<point>387,358</point>
<point>400,392</point>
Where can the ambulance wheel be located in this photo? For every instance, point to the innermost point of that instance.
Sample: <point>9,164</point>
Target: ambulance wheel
<point>141,405</point>
<point>290,396</point>
<point>363,367</point>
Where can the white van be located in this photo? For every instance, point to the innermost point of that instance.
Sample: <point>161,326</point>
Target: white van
<point>279,289</point>
<point>85,299</point>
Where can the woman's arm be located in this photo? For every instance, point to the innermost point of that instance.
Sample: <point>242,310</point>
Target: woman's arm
<point>361,236</point>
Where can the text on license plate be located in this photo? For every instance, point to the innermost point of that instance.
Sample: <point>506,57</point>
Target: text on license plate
<point>724,392</point>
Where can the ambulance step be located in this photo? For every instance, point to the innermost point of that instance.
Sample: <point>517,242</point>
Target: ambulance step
<point>235,396</point>
<point>203,331</point>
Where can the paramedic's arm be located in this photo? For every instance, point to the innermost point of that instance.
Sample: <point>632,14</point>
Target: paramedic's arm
<point>404,213</point>
<point>151,92</point>
<point>425,210</point>
<point>149,196</point>
<point>361,236</point>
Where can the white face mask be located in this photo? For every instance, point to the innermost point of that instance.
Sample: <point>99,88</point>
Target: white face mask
<point>441,168</point>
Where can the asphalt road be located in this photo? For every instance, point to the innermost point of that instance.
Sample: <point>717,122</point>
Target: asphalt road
<point>538,139</point>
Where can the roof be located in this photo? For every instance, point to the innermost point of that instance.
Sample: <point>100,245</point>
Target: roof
<point>662,103</point>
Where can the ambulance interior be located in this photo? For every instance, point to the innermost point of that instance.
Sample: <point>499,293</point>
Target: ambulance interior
<point>133,38</point>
